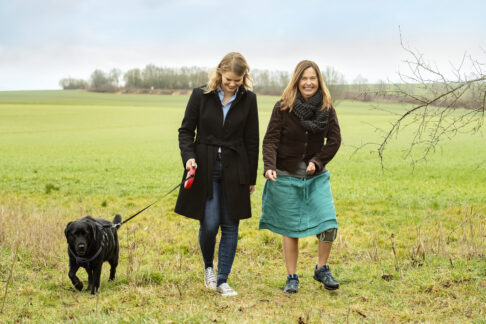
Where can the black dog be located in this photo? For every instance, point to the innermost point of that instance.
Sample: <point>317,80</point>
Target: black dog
<point>90,243</point>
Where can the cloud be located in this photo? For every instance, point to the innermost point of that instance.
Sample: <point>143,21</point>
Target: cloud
<point>49,40</point>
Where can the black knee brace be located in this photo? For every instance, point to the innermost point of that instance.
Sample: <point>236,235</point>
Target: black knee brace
<point>328,236</point>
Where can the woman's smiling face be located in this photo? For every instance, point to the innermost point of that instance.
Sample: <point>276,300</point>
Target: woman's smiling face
<point>308,83</point>
<point>230,81</point>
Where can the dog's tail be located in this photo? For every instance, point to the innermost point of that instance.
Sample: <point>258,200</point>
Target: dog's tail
<point>117,220</point>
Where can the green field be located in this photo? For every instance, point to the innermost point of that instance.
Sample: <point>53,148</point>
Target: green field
<point>411,244</point>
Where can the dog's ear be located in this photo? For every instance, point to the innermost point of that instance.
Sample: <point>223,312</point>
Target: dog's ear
<point>66,230</point>
<point>97,230</point>
<point>94,229</point>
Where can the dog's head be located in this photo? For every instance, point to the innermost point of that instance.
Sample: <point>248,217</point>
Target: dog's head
<point>83,234</point>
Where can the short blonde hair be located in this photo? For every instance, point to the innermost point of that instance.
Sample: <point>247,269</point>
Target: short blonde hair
<point>292,89</point>
<point>234,62</point>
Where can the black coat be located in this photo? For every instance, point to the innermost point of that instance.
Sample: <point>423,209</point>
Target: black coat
<point>201,133</point>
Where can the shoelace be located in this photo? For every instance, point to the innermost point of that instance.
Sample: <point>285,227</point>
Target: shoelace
<point>293,283</point>
<point>329,276</point>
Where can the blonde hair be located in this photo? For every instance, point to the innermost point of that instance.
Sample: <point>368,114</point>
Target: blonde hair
<point>234,62</point>
<point>292,89</point>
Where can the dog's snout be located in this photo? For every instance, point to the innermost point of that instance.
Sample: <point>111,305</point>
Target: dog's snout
<point>81,246</point>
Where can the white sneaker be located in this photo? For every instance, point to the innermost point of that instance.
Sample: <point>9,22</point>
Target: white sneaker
<point>225,290</point>
<point>210,278</point>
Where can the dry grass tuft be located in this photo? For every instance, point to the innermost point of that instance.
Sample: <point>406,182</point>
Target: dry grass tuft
<point>38,233</point>
<point>465,240</point>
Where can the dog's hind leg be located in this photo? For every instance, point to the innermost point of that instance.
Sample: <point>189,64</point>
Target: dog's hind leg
<point>112,271</point>
<point>73,268</point>
<point>113,264</point>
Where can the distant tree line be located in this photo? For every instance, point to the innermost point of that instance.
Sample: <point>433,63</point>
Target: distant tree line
<point>71,83</point>
<point>164,80</point>
<point>155,78</point>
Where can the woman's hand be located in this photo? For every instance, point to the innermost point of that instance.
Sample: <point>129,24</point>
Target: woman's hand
<point>271,174</point>
<point>252,189</point>
<point>311,168</point>
<point>191,163</point>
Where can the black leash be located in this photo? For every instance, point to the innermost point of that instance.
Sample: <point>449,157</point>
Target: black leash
<point>143,209</point>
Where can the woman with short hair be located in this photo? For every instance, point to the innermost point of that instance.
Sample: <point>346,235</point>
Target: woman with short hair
<point>219,137</point>
<point>302,137</point>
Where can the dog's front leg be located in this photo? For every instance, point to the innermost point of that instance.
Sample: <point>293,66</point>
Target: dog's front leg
<point>73,268</point>
<point>89,270</point>
<point>96,278</point>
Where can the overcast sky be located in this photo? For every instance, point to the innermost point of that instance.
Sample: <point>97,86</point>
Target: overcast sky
<point>45,40</point>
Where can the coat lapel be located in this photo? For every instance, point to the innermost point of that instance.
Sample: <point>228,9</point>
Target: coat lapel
<point>239,95</point>
<point>217,110</point>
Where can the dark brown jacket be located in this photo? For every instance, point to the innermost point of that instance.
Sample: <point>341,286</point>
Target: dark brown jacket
<point>287,143</point>
<point>239,142</point>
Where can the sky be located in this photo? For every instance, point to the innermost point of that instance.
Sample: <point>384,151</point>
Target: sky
<point>43,41</point>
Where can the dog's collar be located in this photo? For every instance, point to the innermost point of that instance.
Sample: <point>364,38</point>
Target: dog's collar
<point>84,262</point>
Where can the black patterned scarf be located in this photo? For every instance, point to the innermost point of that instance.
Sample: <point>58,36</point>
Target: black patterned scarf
<point>312,118</point>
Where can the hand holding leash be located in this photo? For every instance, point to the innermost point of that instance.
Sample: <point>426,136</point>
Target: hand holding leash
<point>190,178</point>
<point>191,163</point>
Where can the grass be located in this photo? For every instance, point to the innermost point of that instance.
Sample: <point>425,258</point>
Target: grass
<point>410,246</point>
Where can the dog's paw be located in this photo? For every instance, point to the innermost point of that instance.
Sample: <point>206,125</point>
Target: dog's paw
<point>79,285</point>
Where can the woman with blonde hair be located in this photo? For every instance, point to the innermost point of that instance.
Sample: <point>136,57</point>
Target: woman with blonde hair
<point>219,137</point>
<point>302,137</point>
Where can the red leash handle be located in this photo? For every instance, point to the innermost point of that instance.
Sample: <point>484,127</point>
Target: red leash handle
<point>190,178</point>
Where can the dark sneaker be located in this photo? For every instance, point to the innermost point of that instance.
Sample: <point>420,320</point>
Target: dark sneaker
<point>292,284</point>
<point>323,275</point>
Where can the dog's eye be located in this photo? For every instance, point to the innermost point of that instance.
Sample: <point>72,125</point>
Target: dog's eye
<point>79,233</point>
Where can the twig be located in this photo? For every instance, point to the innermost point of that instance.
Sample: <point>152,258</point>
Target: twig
<point>9,277</point>
<point>394,252</point>
<point>97,300</point>
<point>434,97</point>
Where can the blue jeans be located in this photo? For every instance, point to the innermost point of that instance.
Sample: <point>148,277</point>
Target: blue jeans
<point>216,215</point>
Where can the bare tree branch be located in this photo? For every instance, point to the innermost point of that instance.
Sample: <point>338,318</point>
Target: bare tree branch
<point>441,107</point>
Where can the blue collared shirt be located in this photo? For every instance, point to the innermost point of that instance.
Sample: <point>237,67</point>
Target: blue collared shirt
<point>228,104</point>
<point>226,107</point>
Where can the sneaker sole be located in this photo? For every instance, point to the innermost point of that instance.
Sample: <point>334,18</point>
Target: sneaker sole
<point>331,288</point>
<point>210,287</point>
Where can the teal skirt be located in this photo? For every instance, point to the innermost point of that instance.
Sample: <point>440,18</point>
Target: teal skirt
<point>297,207</point>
